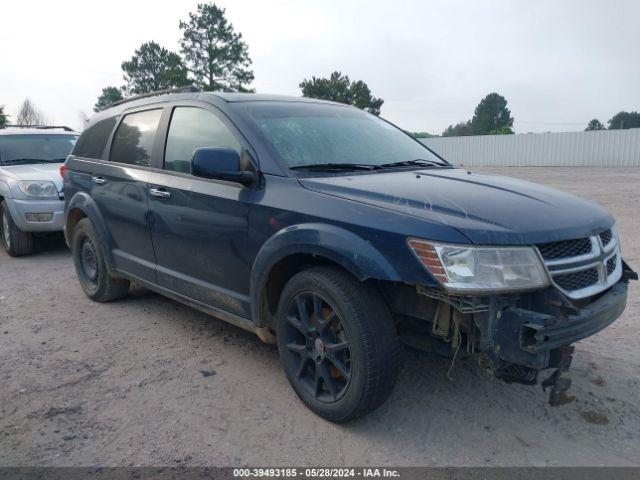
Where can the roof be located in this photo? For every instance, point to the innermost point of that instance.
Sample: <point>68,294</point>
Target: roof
<point>191,93</point>
<point>36,130</point>
<point>261,97</point>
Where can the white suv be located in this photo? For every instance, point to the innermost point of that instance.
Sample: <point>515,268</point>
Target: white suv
<point>31,197</point>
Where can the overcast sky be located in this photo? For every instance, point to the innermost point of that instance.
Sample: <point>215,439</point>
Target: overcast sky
<point>558,63</point>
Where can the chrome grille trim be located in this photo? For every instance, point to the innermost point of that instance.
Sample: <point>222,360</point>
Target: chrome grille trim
<point>597,258</point>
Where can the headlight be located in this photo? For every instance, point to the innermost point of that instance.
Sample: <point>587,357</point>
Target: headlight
<point>39,189</point>
<point>479,269</point>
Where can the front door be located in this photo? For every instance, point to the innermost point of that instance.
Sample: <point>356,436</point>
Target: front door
<point>199,226</point>
<point>119,188</point>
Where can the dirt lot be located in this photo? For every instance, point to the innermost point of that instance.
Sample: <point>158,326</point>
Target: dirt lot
<point>147,381</point>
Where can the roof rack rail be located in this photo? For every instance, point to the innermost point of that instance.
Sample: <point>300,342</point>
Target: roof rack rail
<point>186,89</point>
<point>41,127</point>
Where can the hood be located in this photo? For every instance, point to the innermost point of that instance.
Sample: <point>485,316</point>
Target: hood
<point>487,209</point>
<point>38,171</point>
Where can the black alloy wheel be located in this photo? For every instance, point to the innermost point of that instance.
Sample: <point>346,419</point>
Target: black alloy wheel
<point>337,342</point>
<point>318,342</point>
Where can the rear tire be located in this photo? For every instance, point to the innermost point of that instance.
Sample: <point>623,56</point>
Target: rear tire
<point>16,242</point>
<point>337,342</point>
<point>88,257</point>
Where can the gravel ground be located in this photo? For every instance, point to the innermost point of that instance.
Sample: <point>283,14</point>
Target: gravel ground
<point>147,381</point>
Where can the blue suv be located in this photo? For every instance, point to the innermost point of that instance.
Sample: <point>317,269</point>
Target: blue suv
<point>338,236</point>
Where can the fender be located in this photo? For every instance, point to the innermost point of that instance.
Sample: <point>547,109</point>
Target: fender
<point>349,250</point>
<point>83,201</point>
<point>6,194</point>
<point>5,191</point>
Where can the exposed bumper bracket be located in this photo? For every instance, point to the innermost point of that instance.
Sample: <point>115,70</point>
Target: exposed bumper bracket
<point>560,385</point>
<point>627,273</point>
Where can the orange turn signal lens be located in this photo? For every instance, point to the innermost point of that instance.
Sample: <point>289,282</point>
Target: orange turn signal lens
<point>429,258</point>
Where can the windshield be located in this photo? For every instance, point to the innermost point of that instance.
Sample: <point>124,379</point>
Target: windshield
<point>312,134</point>
<point>15,149</point>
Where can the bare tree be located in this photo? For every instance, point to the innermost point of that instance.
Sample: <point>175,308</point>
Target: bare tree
<point>4,118</point>
<point>29,114</point>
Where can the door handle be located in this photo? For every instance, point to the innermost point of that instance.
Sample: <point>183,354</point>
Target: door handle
<point>159,192</point>
<point>98,180</point>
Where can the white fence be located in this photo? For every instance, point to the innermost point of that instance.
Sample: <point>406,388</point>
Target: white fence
<point>602,148</point>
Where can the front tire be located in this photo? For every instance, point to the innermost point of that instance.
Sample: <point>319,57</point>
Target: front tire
<point>16,242</point>
<point>337,343</point>
<point>88,257</point>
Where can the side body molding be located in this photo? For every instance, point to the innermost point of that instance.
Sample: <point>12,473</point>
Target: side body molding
<point>345,248</point>
<point>83,202</point>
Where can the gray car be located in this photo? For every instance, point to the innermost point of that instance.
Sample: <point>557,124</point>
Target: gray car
<point>31,197</point>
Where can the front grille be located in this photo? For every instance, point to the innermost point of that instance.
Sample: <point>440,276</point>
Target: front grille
<point>577,280</point>
<point>583,267</point>
<point>605,237</point>
<point>564,249</point>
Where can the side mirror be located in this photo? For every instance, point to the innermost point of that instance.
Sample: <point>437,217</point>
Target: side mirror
<point>220,164</point>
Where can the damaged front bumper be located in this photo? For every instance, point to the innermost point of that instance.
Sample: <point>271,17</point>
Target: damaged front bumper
<point>528,337</point>
<point>522,336</point>
<point>527,341</point>
<point>541,332</point>
<point>510,336</point>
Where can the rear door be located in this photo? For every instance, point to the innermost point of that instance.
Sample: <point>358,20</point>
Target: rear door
<point>89,149</point>
<point>119,187</point>
<point>199,226</point>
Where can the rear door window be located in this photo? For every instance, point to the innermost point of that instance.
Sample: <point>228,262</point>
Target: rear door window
<point>191,128</point>
<point>133,141</point>
<point>93,140</point>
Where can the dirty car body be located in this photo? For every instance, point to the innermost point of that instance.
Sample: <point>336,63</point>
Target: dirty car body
<point>505,272</point>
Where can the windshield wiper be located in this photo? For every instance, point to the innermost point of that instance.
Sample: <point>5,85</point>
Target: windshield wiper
<point>418,162</point>
<point>323,167</point>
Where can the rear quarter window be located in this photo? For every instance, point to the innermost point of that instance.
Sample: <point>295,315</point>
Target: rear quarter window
<point>93,140</point>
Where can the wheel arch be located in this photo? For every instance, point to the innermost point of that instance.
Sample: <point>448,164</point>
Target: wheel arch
<point>82,206</point>
<point>5,194</point>
<point>73,217</point>
<point>5,190</point>
<point>299,247</point>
